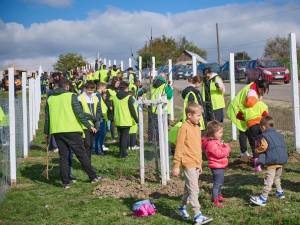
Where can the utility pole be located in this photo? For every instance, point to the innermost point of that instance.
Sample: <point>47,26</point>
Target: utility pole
<point>218,43</point>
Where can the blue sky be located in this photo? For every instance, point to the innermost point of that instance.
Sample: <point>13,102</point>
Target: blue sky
<point>30,11</point>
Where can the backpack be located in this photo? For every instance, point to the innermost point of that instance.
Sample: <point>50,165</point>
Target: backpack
<point>143,208</point>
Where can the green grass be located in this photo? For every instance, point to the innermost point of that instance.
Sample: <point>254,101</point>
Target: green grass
<point>38,201</point>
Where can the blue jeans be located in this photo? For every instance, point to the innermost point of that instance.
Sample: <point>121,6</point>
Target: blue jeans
<point>218,181</point>
<point>100,136</point>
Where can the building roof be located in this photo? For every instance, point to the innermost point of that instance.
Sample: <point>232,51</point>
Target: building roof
<point>198,57</point>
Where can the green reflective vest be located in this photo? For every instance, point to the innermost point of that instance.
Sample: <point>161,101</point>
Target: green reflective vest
<point>217,97</point>
<point>155,94</point>
<point>255,111</point>
<point>173,131</point>
<point>114,73</point>
<point>3,118</point>
<point>103,76</point>
<point>185,104</point>
<point>96,75</point>
<point>62,117</point>
<point>104,109</point>
<point>236,106</point>
<point>122,116</point>
<point>90,76</point>
<point>112,93</point>
<point>86,108</point>
<point>134,127</point>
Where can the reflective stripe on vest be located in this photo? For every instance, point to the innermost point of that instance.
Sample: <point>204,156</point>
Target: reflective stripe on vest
<point>217,97</point>
<point>122,116</point>
<point>62,117</point>
<point>185,104</point>
<point>86,108</point>
<point>236,106</point>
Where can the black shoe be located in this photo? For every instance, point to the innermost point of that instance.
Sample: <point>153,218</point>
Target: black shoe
<point>96,179</point>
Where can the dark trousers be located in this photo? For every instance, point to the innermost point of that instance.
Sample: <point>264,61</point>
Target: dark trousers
<point>219,115</point>
<point>112,129</point>
<point>123,140</point>
<point>100,136</point>
<point>218,181</point>
<point>253,133</point>
<point>73,142</point>
<point>88,142</point>
<point>132,140</point>
<point>243,141</point>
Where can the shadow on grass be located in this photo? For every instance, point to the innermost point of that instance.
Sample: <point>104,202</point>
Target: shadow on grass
<point>35,173</point>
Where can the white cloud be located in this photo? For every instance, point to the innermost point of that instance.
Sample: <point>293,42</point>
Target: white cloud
<point>115,32</point>
<point>53,3</point>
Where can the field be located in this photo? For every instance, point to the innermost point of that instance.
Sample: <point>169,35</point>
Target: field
<point>37,201</point>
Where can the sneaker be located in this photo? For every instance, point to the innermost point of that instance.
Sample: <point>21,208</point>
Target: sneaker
<point>96,179</point>
<point>135,147</point>
<point>105,148</point>
<point>245,155</point>
<point>258,200</point>
<point>221,198</point>
<point>218,204</point>
<point>280,194</point>
<point>199,219</point>
<point>67,186</point>
<point>183,213</point>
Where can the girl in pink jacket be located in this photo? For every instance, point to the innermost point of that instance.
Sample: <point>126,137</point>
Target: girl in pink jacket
<point>217,154</point>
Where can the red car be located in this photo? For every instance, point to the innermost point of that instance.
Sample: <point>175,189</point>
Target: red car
<point>268,69</point>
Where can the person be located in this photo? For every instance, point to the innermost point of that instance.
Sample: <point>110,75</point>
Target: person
<point>217,154</point>
<point>103,74</point>
<point>114,71</point>
<point>192,94</point>
<point>90,75</point>
<point>100,135</point>
<point>160,87</point>
<point>134,128</point>
<point>92,111</point>
<point>246,98</point>
<point>112,92</point>
<point>63,119</point>
<point>124,113</point>
<point>213,90</point>
<point>272,152</point>
<point>188,154</point>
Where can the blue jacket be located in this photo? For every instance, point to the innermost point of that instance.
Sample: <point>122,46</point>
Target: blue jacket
<point>276,152</point>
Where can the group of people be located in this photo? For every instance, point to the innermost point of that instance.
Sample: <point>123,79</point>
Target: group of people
<point>201,129</point>
<point>76,119</point>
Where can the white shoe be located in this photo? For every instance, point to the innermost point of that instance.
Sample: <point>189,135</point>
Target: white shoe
<point>55,150</point>
<point>105,148</point>
<point>135,147</point>
<point>245,155</point>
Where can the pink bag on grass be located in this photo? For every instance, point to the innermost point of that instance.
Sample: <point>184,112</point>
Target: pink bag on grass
<point>143,208</point>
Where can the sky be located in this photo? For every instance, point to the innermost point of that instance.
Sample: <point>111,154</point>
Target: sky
<point>35,32</point>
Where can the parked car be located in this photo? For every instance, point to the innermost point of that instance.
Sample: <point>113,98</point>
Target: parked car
<point>215,67</point>
<point>188,71</point>
<point>179,71</point>
<point>240,70</point>
<point>268,69</point>
<point>163,69</point>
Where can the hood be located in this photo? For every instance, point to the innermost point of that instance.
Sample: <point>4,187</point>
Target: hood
<point>213,75</point>
<point>122,94</point>
<point>189,89</point>
<point>158,82</point>
<point>57,91</point>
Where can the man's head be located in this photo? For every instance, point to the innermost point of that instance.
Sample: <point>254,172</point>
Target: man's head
<point>196,81</point>
<point>124,86</point>
<point>266,122</point>
<point>90,88</point>
<point>56,76</point>
<point>114,67</point>
<point>64,84</point>
<point>193,113</point>
<point>207,71</point>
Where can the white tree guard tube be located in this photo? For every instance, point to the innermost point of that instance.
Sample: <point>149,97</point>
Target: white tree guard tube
<point>141,136</point>
<point>140,68</point>
<point>171,80</point>
<point>24,107</point>
<point>12,127</point>
<point>232,90</point>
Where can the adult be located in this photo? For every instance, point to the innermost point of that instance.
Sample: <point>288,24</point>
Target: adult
<point>192,94</point>
<point>213,90</point>
<point>63,119</point>
<point>245,102</point>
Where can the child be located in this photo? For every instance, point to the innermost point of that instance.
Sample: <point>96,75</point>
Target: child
<point>272,152</point>
<point>92,111</point>
<point>124,114</point>
<point>100,136</point>
<point>188,154</point>
<point>217,154</point>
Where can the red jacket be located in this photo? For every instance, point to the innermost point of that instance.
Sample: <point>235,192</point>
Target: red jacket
<point>217,153</point>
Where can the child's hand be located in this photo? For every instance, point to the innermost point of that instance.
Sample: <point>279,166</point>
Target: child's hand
<point>176,172</point>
